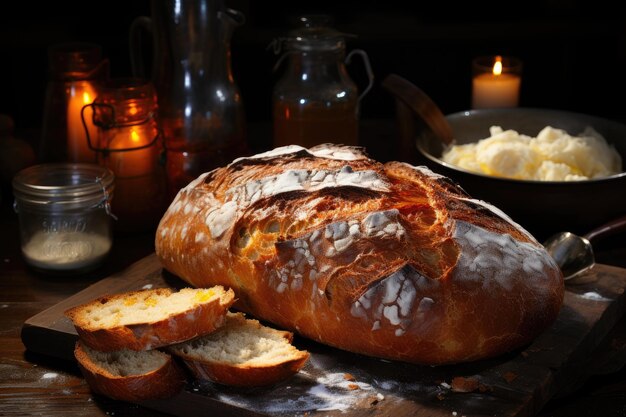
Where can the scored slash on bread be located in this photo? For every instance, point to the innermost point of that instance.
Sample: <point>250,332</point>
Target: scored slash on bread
<point>242,352</point>
<point>121,338</point>
<point>149,319</point>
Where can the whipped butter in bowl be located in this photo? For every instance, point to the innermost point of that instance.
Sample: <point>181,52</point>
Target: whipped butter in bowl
<point>552,155</point>
<point>549,170</point>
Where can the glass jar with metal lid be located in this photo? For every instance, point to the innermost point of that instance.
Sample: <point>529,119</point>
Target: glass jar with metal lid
<point>64,216</point>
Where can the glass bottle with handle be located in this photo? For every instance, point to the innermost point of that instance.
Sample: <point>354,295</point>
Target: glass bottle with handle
<point>316,101</point>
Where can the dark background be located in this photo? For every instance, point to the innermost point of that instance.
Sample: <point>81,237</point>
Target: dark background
<point>574,52</point>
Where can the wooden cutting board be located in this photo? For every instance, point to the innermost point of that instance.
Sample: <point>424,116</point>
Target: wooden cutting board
<point>335,382</point>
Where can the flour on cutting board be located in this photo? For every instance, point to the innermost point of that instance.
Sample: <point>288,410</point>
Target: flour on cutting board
<point>329,392</point>
<point>318,387</point>
<point>592,295</point>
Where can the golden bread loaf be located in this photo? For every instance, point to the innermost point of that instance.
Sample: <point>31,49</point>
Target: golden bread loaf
<point>387,260</point>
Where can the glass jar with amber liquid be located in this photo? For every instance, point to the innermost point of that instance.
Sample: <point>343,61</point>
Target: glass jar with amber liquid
<point>316,101</point>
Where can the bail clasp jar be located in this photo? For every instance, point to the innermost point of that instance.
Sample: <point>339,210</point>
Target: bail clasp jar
<point>128,142</point>
<point>64,215</point>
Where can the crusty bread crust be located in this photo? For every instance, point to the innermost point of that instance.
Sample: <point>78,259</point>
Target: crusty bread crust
<point>251,373</point>
<point>387,260</point>
<point>201,317</point>
<point>162,382</point>
<point>245,376</point>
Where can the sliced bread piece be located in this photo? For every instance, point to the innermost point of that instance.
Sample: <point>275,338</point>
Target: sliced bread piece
<point>149,319</point>
<point>130,375</point>
<point>242,352</point>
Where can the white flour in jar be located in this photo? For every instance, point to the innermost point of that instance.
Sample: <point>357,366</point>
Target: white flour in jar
<point>66,250</point>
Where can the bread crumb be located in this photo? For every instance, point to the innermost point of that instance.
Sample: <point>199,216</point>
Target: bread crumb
<point>462,384</point>
<point>353,387</point>
<point>375,400</point>
<point>484,388</point>
<point>509,376</point>
<point>349,377</point>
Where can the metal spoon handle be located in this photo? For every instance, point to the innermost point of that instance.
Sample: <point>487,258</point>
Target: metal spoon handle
<point>613,227</point>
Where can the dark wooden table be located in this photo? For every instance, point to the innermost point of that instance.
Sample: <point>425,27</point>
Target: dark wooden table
<point>34,384</point>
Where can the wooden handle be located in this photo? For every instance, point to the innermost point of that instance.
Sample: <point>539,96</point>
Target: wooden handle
<point>420,104</point>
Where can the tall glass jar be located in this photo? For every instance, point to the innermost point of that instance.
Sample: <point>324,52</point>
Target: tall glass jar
<point>64,216</point>
<point>316,101</point>
<point>76,72</point>
<point>128,143</point>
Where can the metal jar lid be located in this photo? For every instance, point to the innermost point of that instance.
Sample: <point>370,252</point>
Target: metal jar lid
<point>64,186</point>
<point>315,34</point>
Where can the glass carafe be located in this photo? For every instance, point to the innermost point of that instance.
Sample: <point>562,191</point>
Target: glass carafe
<point>316,101</point>
<point>200,107</point>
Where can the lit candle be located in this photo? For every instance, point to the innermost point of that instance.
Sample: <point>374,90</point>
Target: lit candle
<point>133,163</point>
<point>125,114</point>
<point>80,94</point>
<point>496,85</point>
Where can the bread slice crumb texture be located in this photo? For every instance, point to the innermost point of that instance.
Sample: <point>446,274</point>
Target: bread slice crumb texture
<point>240,342</point>
<point>123,363</point>
<point>144,306</point>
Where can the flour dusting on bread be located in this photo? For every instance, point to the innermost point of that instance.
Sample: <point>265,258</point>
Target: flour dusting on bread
<point>388,260</point>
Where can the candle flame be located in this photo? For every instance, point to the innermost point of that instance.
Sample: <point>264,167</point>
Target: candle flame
<point>134,136</point>
<point>497,66</point>
<point>86,98</point>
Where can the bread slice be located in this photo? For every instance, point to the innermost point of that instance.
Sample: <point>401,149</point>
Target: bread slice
<point>149,319</point>
<point>243,353</point>
<point>129,375</point>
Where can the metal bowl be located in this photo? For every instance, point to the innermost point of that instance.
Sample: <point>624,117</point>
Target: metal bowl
<point>542,207</point>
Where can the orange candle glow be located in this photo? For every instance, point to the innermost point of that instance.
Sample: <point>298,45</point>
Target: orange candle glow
<point>80,94</point>
<point>133,163</point>
<point>496,86</point>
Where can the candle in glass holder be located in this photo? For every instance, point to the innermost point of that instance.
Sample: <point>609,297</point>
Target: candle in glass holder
<point>125,113</point>
<point>133,163</point>
<point>77,71</point>
<point>80,94</point>
<point>496,82</point>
